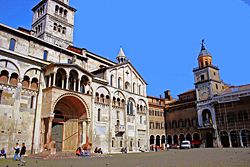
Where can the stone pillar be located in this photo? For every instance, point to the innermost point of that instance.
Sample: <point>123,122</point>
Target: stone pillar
<point>49,133</point>
<point>48,81</point>
<point>126,128</point>
<point>63,81</point>
<point>54,79</point>
<point>79,85</point>
<point>230,142</point>
<point>110,128</point>
<point>67,82</point>
<point>241,142</point>
<point>87,131</point>
<point>74,87</point>
<point>84,133</point>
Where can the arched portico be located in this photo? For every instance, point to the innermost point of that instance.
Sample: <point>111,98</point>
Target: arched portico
<point>68,126</point>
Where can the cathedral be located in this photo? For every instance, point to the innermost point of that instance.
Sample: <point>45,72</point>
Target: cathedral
<point>54,92</point>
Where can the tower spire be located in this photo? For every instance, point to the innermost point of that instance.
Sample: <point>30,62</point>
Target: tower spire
<point>121,56</point>
<point>204,58</point>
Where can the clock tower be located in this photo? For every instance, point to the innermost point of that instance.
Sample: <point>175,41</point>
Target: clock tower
<point>207,84</point>
<point>207,76</point>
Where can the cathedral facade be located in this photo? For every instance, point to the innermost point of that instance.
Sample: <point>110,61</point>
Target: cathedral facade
<point>54,92</point>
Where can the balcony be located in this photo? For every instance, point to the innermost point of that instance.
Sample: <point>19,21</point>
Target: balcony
<point>119,128</point>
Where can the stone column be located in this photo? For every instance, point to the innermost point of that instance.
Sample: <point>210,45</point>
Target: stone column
<point>87,131</point>
<point>63,81</point>
<point>126,127</point>
<point>74,87</point>
<point>49,133</point>
<point>67,82</point>
<point>84,133</point>
<point>48,81</point>
<point>230,142</point>
<point>110,128</point>
<point>79,85</point>
<point>241,142</point>
<point>54,79</point>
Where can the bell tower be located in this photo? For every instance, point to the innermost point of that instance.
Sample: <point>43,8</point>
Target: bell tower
<point>207,77</point>
<point>53,21</point>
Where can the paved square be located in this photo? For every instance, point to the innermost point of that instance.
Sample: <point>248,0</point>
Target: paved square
<point>239,157</point>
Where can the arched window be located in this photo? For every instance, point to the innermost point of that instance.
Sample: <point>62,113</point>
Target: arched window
<point>61,11</point>
<point>45,54</point>
<point>56,8</point>
<point>12,44</point>
<point>59,28</point>
<point>4,76</point>
<point>64,30</point>
<point>119,82</point>
<point>99,115</point>
<point>34,83</point>
<point>139,89</point>
<point>65,13</point>
<point>55,27</point>
<point>14,79</point>
<point>26,82</point>
<point>133,87</point>
<point>130,108</point>
<point>111,80</point>
<point>127,85</point>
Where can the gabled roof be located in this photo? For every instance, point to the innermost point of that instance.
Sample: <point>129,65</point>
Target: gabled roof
<point>103,69</point>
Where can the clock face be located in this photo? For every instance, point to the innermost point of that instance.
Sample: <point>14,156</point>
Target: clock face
<point>204,93</point>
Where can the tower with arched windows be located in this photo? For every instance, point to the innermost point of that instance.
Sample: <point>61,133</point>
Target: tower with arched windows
<point>121,58</point>
<point>207,84</point>
<point>53,21</point>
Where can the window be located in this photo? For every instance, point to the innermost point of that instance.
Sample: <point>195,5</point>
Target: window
<point>64,30</point>
<point>151,125</point>
<point>12,44</point>
<point>140,119</point>
<point>99,115</point>
<point>216,85</point>
<point>139,91</point>
<point>55,27</point>
<point>65,13</point>
<point>120,143</point>
<point>202,77</point>
<point>111,80</point>
<point>112,143</point>
<point>130,108</point>
<point>133,87</point>
<point>119,83</point>
<point>31,102</point>
<point>56,8</point>
<point>45,54</point>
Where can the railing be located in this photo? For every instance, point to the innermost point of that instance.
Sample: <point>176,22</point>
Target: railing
<point>119,128</point>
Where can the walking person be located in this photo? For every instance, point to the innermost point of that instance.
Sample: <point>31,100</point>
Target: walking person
<point>22,153</point>
<point>17,150</point>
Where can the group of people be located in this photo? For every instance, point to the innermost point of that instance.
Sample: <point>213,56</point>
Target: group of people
<point>85,152</point>
<point>19,152</point>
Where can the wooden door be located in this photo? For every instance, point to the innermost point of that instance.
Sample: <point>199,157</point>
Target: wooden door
<point>70,142</point>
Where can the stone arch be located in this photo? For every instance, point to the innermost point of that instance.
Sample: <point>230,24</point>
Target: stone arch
<point>158,141</point>
<point>169,138</point>
<point>224,138</point>
<point>4,64</point>
<point>245,137</point>
<point>207,117</point>
<point>235,138</point>
<point>196,139</point>
<point>73,95</point>
<point>181,137</point>
<point>175,140</point>
<point>189,137</point>
<point>152,140</point>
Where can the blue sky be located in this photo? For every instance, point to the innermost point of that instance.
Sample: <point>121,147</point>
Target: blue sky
<point>161,38</point>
